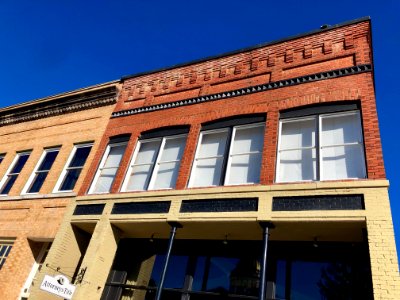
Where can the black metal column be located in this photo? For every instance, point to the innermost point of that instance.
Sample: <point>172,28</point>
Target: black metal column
<point>263,276</point>
<point>174,227</point>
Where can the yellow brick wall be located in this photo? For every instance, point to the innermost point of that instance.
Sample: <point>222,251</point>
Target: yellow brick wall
<point>37,217</point>
<point>334,225</point>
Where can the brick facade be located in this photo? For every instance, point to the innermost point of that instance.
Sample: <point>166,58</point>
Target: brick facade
<point>330,66</point>
<point>32,220</point>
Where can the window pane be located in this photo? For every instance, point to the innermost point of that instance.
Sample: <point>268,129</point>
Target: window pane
<point>173,149</point>
<point>70,179</point>
<point>338,130</point>
<point>175,274</point>
<point>37,182</point>
<point>166,175</point>
<point>342,162</point>
<point>140,178</point>
<point>8,184</point>
<point>148,152</point>
<point>297,165</point>
<point>48,161</point>
<point>248,140</point>
<point>208,172</point>
<point>306,279</point>
<point>297,134</point>
<point>114,156</point>
<point>221,271</point>
<point>245,169</point>
<point>213,144</point>
<point>105,180</point>
<point>20,163</point>
<point>80,157</point>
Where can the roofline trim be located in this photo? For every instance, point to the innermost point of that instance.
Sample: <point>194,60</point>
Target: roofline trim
<point>293,37</point>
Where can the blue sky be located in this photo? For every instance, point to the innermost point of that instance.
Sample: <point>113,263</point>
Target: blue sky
<point>48,47</point>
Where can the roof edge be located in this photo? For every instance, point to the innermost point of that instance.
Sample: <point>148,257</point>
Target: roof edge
<point>293,37</point>
<point>46,100</point>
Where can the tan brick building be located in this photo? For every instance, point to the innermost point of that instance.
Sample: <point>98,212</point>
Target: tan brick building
<point>46,146</point>
<point>257,174</point>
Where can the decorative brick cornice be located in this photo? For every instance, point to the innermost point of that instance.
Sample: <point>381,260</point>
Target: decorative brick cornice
<point>59,105</point>
<point>317,46</point>
<point>249,90</point>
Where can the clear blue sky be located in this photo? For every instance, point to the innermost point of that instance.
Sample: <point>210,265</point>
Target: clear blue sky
<point>52,46</point>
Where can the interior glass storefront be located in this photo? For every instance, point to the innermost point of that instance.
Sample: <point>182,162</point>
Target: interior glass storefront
<point>215,269</point>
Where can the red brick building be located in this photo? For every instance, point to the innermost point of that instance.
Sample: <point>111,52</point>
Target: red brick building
<point>208,165</point>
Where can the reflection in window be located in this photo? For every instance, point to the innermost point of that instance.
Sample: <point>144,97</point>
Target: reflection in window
<point>13,172</point>
<point>41,170</point>
<point>73,169</point>
<point>5,248</point>
<point>108,168</point>
<point>228,156</point>
<point>321,147</point>
<point>156,164</point>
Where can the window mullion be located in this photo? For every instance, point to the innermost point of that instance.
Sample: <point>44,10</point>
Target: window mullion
<point>193,171</point>
<point>154,169</point>
<point>227,156</point>
<point>318,167</point>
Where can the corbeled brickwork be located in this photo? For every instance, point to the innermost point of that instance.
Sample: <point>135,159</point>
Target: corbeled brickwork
<point>34,219</point>
<point>326,50</point>
<point>336,48</point>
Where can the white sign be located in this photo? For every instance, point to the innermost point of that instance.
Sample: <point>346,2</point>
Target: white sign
<point>58,285</point>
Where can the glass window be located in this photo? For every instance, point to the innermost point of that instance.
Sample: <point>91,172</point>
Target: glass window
<point>108,168</point>
<point>321,147</point>
<point>39,175</point>
<point>13,172</point>
<point>5,248</point>
<point>155,164</point>
<point>1,157</point>
<point>228,156</point>
<point>73,168</point>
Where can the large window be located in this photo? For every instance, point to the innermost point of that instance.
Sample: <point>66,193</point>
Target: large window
<point>229,155</point>
<point>73,168</point>
<point>5,248</point>
<point>155,164</point>
<point>41,171</point>
<point>12,173</point>
<point>321,147</point>
<point>231,270</point>
<point>109,165</point>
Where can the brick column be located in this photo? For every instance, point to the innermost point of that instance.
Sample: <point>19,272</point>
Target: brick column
<point>382,248</point>
<point>98,260</point>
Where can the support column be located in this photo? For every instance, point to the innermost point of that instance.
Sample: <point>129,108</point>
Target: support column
<point>98,261</point>
<point>266,226</point>
<point>382,247</point>
<point>174,227</point>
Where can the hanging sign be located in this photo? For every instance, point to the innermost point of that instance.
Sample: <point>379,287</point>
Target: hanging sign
<point>58,285</point>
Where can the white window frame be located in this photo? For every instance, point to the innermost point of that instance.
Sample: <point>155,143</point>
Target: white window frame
<point>316,146</point>
<point>35,170</point>
<point>6,242</point>
<point>5,177</point>
<point>101,166</point>
<point>227,167</point>
<point>66,168</point>
<point>156,163</point>
<point>318,126</point>
<point>361,142</point>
